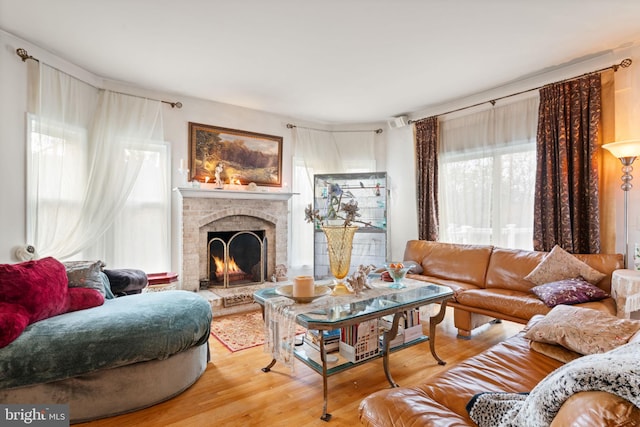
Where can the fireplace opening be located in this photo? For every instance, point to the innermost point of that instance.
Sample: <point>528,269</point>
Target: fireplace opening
<point>236,258</point>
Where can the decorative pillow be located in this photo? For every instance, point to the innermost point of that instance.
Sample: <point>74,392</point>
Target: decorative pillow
<point>555,351</point>
<point>583,330</point>
<point>85,274</point>
<point>127,281</point>
<point>107,286</point>
<point>569,291</point>
<point>559,265</point>
<point>35,290</point>
<point>83,298</point>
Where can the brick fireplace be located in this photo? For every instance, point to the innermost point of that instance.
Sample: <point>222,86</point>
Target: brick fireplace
<point>206,211</point>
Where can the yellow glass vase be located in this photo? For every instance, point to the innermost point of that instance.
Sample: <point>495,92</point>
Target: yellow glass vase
<point>339,245</point>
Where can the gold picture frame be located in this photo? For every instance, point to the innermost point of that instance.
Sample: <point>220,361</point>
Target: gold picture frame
<point>245,157</point>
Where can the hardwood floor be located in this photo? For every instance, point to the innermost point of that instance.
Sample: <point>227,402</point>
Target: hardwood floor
<point>234,391</point>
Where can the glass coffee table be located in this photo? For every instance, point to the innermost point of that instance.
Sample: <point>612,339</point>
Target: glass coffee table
<point>346,316</point>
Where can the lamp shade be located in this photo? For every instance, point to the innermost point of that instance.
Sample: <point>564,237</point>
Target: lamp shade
<point>629,148</point>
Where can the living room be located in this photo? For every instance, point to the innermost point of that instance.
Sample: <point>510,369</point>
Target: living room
<point>393,149</point>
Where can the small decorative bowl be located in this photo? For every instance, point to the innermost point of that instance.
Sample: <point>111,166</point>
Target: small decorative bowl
<point>397,271</point>
<point>287,291</point>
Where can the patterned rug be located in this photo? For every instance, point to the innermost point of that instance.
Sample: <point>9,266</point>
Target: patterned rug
<point>240,331</point>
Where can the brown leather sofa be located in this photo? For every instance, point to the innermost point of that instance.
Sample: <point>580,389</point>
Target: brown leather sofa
<point>488,282</point>
<point>510,366</point>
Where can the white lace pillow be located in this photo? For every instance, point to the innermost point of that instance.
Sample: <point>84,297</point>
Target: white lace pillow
<point>559,265</point>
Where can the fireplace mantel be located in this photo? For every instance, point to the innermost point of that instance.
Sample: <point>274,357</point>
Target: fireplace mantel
<point>212,193</point>
<point>210,210</point>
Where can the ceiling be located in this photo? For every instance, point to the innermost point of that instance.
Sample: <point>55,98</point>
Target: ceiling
<point>328,61</point>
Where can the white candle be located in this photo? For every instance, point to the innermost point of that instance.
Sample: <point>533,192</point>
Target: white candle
<point>181,164</point>
<point>303,286</point>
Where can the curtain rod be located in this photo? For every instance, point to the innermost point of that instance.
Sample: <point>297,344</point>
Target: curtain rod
<point>24,55</point>
<point>624,64</point>
<point>291,126</point>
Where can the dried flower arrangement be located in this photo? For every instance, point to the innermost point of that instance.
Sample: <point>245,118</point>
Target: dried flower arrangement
<point>336,210</point>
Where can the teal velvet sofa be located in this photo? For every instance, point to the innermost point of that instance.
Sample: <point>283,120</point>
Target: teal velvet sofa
<point>127,354</point>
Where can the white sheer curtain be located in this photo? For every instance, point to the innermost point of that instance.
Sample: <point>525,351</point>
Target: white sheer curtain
<point>318,152</point>
<point>487,176</point>
<point>87,150</point>
<point>62,109</point>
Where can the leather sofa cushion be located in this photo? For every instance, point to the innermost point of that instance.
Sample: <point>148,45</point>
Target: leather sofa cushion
<point>509,366</point>
<point>520,305</point>
<point>461,263</point>
<point>512,303</point>
<point>585,409</point>
<point>508,267</point>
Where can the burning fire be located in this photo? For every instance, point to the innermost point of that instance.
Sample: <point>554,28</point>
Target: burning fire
<point>235,181</point>
<point>232,267</point>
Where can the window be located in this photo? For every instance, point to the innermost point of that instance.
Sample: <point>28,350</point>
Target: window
<point>58,169</point>
<point>487,170</point>
<point>141,230</point>
<point>488,198</point>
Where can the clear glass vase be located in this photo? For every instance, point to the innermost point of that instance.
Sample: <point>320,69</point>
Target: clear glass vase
<point>339,245</point>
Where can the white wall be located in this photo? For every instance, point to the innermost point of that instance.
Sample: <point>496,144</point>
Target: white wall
<point>13,104</point>
<point>401,167</point>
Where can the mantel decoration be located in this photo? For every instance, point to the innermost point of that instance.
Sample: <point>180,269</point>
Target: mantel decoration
<point>220,155</point>
<point>339,236</point>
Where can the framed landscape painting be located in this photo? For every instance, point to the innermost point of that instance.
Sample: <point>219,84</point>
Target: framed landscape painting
<point>235,156</point>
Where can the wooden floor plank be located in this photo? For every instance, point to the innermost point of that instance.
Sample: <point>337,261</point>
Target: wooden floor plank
<point>234,391</point>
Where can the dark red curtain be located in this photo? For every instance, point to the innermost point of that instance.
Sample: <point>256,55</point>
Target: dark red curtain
<point>566,196</point>
<point>427,177</point>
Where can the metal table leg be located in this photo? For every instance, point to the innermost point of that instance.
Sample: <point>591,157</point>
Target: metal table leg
<point>325,393</point>
<point>433,321</point>
<point>269,366</point>
<point>276,340</point>
<point>387,337</point>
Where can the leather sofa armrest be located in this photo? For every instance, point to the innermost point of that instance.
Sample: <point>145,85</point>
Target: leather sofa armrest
<point>596,408</point>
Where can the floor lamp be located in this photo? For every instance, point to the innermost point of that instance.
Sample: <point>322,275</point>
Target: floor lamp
<point>626,151</point>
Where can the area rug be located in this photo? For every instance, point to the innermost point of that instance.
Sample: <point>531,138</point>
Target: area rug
<point>240,331</point>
